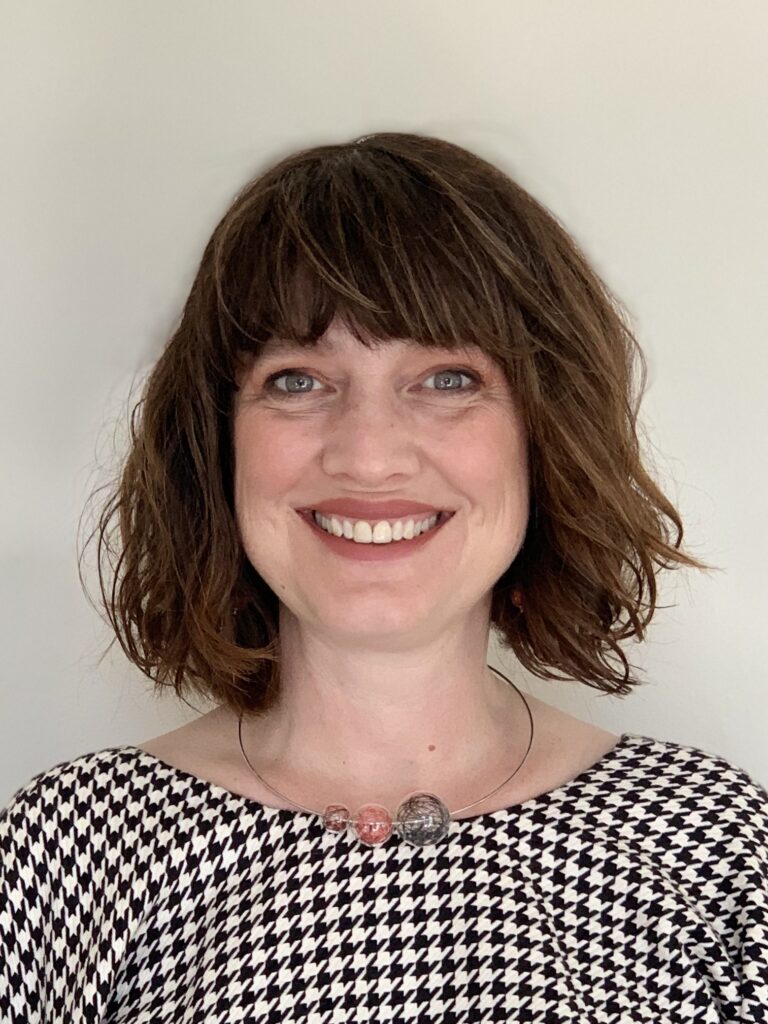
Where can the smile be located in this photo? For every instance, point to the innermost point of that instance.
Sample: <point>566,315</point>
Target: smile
<point>364,540</point>
<point>384,531</point>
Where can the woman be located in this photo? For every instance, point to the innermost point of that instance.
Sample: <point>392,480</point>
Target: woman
<point>398,411</point>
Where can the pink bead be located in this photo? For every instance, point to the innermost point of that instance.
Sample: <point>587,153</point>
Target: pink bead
<point>373,824</point>
<point>335,817</point>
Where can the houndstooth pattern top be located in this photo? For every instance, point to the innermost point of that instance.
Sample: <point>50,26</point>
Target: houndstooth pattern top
<point>134,892</point>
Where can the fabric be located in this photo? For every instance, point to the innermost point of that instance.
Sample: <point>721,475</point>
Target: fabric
<point>131,891</point>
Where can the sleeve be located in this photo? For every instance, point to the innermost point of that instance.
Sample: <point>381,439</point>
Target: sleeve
<point>24,895</point>
<point>745,893</point>
<point>76,859</point>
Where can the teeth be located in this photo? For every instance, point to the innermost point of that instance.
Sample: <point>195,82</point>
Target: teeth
<point>362,532</point>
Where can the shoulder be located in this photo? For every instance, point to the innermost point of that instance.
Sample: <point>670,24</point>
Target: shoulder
<point>696,816</point>
<point>58,837</point>
<point>70,813</point>
<point>674,778</point>
<point>84,846</point>
<point>687,783</point>
<point>678,839</point>
<point>68,788</point>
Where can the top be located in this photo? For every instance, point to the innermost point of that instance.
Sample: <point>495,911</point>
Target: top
<point>132,891</point>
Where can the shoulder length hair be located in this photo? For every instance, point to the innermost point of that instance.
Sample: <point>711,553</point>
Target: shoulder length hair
<point>399,236</point>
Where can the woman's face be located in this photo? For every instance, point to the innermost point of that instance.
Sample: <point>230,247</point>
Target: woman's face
<point>400,422</point>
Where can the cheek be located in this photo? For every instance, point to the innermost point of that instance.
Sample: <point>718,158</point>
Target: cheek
<point>493,461</point>
<point>255,469</point>
<point>496,471</point>
<point>267,463</point>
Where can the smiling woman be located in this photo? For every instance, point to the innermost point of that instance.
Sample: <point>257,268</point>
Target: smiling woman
<point>399,412</point>
<point>373,237</point>
<point>365,417</point>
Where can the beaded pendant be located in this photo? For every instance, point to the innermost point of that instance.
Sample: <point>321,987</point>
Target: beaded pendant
<point>422,819</point>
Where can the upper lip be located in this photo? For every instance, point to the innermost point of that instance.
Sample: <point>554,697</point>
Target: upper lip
<point>371,509</point>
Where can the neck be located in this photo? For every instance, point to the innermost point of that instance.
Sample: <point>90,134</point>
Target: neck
<point>358,726</point>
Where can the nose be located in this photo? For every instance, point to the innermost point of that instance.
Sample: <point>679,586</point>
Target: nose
<point>369,440</point>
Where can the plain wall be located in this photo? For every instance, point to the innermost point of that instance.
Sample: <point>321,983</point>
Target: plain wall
<point>126,130</point>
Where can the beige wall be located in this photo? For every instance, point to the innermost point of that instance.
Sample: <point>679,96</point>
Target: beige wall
<point>126,128</point>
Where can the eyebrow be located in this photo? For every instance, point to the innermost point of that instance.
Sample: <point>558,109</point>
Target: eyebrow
<point>279,348</point>
<point>282,346</point>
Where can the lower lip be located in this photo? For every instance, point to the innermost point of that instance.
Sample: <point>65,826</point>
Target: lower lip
<point>373,552</point>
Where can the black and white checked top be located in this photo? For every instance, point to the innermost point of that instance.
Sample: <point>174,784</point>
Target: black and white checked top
<point>134,892</point>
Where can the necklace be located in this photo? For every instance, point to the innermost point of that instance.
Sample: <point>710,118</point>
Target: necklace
<point>422,819</point>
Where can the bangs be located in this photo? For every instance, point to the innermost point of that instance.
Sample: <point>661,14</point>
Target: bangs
<point>404,238</point>
<point>388,248</point>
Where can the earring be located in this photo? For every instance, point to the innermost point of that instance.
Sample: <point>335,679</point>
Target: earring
<point>517,597</point>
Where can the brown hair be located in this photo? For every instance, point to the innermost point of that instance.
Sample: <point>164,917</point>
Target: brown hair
<point>399,236</point>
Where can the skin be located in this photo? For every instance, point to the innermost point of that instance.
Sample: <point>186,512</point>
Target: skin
<point>385,684</point>
<point>385,687</point>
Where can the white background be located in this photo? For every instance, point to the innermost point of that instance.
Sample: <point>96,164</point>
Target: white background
<point>126,129</point>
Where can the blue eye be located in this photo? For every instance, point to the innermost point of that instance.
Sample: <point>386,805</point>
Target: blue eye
<point>270,384</point>
<point>458,373</point>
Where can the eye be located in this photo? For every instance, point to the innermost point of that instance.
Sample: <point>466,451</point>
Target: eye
<point>270,384</point>
<point>456,372</point>
<point>305,379</point>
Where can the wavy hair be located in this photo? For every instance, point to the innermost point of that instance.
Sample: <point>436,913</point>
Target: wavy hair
<point>399,236</point>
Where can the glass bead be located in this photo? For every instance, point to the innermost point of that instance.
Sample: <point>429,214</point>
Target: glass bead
<point>335,817</point>
<point>373,824</point>
<point>423,819</point>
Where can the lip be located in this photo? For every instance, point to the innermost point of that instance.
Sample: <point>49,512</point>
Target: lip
<point>396,551</point>
<point>372,510</point>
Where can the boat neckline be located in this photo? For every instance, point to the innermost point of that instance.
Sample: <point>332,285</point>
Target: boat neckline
<point>217,791</point>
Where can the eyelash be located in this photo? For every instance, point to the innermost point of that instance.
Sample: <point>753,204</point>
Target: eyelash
<point>269,383</point>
